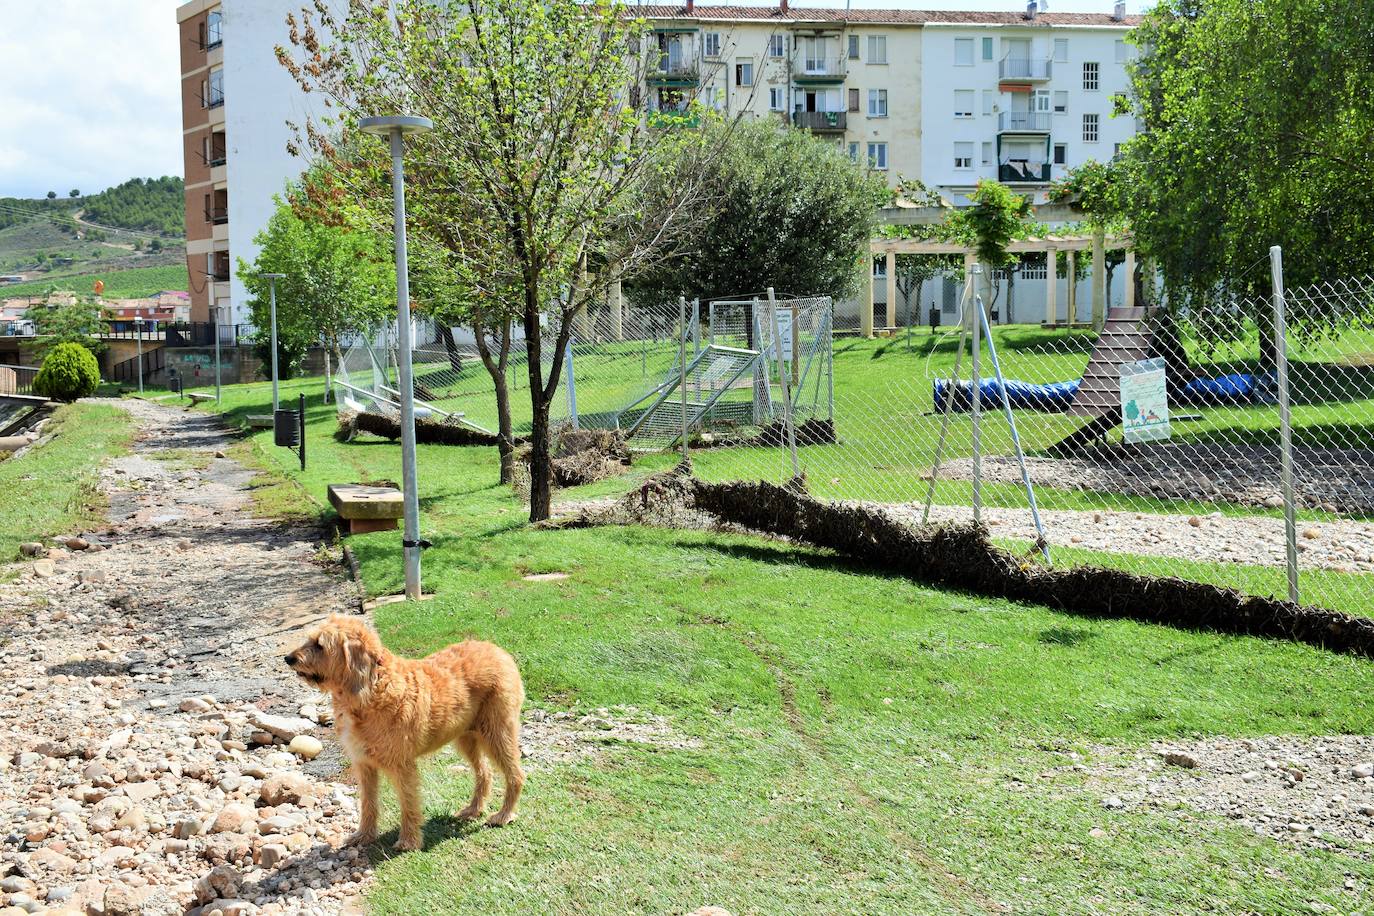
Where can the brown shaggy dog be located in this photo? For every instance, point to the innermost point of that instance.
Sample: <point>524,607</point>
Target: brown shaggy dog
<point>390,711</point>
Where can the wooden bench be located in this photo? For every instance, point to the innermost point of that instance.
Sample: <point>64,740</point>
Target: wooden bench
<point>366,508</point>
<point>201,398</point>
<point>259,421</point>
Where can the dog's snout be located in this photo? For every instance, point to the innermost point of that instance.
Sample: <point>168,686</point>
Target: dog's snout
<point>291,659</point>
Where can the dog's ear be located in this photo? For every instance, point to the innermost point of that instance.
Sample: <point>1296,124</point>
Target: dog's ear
<point>361,668</point>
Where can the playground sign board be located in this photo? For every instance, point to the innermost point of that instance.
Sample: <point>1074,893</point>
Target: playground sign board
<point>1144,401</point>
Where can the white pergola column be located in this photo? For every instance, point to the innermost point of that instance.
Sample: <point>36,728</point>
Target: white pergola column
<point>866,292</point>
<point>1071,303</point>
<point>892,289</point>
<point>617,304</point>
<point>1051,285</point>
<point>1099,278</point>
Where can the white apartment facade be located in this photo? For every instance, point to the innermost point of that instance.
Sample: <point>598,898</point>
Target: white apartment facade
<point>890,87</point>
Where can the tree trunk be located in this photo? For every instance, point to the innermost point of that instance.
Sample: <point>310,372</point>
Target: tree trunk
<point>496,368</point>
<point>328,377</point>
<point>455,359</point>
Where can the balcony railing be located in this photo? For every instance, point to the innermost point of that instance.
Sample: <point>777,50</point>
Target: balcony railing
<point>818,68</point>
<point>217,215</point>
<point>1021,68</point>
<point>684,70</point>
<point>820,121</point>
<point>1018,171</point>
<point>1026,122</point>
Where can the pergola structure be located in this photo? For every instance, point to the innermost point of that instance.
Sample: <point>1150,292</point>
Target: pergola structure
<point>1097,243</point>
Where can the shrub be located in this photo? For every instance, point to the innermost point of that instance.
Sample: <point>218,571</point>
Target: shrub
<point>69,371</point>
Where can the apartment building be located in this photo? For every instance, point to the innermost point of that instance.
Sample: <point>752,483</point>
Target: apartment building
<point>236,102</point>
<point>947,97</point>
<point>1021,98</point>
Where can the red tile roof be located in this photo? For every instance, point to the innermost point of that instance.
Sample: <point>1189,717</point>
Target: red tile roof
<point>877,17</point>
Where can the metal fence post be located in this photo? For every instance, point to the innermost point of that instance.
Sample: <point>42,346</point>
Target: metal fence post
<point>976,400</point>
<point>788,429</point>
<point>682,363</point>
<point>1290,522</point>
<point>572,385</point>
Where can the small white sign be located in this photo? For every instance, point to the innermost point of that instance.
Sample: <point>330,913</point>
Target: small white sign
<point>785,333</point>
<point>1144,401</point>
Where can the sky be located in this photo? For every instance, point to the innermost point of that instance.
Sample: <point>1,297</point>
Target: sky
<point>90,95</point>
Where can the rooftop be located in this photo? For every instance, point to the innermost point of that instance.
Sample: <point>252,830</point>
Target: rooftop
<point>709,13</point>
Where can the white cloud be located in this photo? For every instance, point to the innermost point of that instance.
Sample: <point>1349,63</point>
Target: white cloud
<point>89,95</point>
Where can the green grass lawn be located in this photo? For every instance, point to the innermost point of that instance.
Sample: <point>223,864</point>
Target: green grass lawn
<point>861,744</point>
<point>51,490</point>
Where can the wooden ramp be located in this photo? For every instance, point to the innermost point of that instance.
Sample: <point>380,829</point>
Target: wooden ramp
<point>1125,338</point>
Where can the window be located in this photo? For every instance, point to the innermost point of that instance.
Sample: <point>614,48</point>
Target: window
<point>877,49</point>
<point>1121,56</point>
<point>1116,150</point>
<point>1061,50</point>
<point>215,90</point>
<point>712,44</point>
<point>854,102</point>
<point>877,155</point>
<point>963,155</point>
<point>987,152</point>
<point>854,52</point>
<point>214,30</point>
<point>1090,73</point>
<point>853,152</point>
<point>880,267</point>
<point>1061,153</point>
<point>963,103</point>
<point>988,96</point>
<point>744,73</point>
<point>1090,128</point>
<point>777,97</point>
<point>775,45</point>
<point>877,103</point>
<point>1061,101</point>
<point>963,52</point>
<point>987,49</point>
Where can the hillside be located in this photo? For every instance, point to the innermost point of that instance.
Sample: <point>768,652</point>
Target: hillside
<point>136,224</point>
<point>127,283</point>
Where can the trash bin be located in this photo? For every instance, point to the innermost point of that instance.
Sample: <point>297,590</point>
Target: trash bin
<point>285,428</point>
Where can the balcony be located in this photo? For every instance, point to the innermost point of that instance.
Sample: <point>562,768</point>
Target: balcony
<point>217,215</point>
<point>1024,122</point>
<point>818,69</point>
<point>674,72</point>
<point>1023,69</point>
<point>1021,172</point>
<point>820,122</point>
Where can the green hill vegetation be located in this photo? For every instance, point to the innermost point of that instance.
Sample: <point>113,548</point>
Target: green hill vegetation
<point>132,283</point>
<point>152,204</point>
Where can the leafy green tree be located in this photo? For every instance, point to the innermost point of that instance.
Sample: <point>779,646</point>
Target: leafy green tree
<point>52,195</point>
<point>69,371</point>
<point>1258,120</point>
<point>74,193</point>
<point>784,210</point>
<point>338,283</point>
<point>541,175</point>
<point>78,322</point>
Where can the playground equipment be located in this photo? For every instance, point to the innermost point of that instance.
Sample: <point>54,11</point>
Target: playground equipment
<point>745,364</point>
<point>366,381</point>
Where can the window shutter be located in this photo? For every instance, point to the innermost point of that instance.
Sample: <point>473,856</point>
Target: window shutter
<point>853,100</point>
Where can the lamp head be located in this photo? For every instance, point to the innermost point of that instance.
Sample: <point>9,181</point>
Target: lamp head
<point>406,124</point>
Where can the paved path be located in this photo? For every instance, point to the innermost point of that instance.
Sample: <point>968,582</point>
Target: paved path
<point>139,769</point>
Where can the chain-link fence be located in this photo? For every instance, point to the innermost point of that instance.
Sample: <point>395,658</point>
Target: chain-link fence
<point>1152,443</point>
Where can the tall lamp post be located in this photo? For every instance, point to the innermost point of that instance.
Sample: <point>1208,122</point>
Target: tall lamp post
<point>215,307</point>
<point>396,127</point>
<point>272,282</point>
<point>138,342</point>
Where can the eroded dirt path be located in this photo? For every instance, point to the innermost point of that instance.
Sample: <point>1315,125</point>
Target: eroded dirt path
<point>145,715</point>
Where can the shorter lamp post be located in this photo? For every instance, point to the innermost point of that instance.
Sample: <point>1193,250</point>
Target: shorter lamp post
<point>272,281</point>
<point>138,342</point>
<point>396,127</point>
<point>215,311</point>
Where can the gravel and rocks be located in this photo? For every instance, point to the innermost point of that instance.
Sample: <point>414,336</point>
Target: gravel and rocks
<point>1316,791</point>
<point>146,722</point>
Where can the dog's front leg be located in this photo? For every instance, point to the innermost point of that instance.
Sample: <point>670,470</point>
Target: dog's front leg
<point>406,779</point>
<point>367,790</point>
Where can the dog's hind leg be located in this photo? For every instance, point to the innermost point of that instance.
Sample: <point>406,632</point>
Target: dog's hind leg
<point>502,742</point>
<point>367,790</point>
<point>471,749</point>
<point>406,779</point>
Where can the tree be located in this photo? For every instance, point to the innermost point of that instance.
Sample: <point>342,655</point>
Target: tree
<point>52,195</point>
<point>786,210</point>
<point>69,371</point>
<point>155,245</point>
<point>77,322</point>
<point>74,193</point>
<point>542,178</point>
<point>1258,121</point>
<point>338,283</point>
